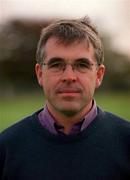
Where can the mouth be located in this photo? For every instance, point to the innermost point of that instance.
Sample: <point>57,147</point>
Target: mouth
<point>68,92</point>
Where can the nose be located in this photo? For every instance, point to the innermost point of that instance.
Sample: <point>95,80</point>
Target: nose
<point>69,74</point>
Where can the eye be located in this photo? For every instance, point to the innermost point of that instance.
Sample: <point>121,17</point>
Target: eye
<point>53,64</point>
<point>83,65</point>
<point>56,65</point>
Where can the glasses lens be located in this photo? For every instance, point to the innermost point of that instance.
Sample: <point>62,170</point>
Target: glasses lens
<point>56,66</point>
<point>82,66</point>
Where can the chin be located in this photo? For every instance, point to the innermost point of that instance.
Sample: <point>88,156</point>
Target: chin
<point>69,112</point>
<point>69,109</point>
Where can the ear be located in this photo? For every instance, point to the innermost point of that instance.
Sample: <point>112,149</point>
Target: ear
<point>39,74</point>
<point>100,75</point>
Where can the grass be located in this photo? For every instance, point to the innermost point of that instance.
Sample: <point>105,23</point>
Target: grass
<point>117,103</point>
<point>14,108</point>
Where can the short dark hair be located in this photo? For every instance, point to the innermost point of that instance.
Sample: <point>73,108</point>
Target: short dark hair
<point>69,31</point>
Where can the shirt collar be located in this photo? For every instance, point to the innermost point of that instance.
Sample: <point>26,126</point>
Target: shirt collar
<point>48,121</point>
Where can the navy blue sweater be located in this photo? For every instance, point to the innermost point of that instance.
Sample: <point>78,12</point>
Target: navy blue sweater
<point>100,152</point>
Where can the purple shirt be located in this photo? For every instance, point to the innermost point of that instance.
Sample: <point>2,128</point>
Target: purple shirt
<point>48,121</point>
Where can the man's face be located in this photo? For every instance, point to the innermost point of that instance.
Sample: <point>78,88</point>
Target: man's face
<point>70,91</point>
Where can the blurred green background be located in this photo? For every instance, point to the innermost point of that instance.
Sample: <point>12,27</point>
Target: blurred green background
<point>20,94</point>
<point>15,108</point>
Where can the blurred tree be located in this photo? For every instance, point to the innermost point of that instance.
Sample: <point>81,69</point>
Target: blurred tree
<point>117,68</point>
<point>18,42</point>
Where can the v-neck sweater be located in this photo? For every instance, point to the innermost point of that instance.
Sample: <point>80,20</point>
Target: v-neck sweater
<point>100,152</point>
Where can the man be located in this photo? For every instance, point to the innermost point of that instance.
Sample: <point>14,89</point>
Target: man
<point>70,138</point>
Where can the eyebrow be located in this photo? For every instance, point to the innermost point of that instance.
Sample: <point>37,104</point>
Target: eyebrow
<point>55,59</point>
<point>84,60</point>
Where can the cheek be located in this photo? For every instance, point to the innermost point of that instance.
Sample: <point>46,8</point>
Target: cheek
<point>88,82</point>
<point>49,84</point>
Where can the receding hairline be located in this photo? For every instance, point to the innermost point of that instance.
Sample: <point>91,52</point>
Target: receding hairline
<point>83,30</point>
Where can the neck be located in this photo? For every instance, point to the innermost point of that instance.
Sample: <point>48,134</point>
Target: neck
<point>66,120</point>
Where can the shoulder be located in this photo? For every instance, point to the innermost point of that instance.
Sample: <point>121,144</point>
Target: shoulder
<point>113,132</point>
<point>12,131</point>
<point>114,125</point>
<point>113,118</point>
<point>116,120</point>
<point>18,130</point>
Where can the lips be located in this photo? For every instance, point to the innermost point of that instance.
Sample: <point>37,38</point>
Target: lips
<point>68,90</point>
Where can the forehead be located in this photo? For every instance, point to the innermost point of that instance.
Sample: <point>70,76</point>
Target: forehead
<point>74,50</point>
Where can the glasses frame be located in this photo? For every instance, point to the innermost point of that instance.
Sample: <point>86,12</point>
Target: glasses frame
<point>73,65</point>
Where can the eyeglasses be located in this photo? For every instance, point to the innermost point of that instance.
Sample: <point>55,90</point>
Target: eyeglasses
<point>59,66</point>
